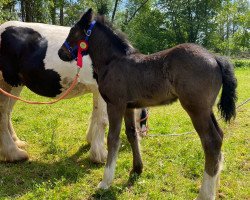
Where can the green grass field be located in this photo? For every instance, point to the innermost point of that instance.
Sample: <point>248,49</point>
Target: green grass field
<point>59,167</point>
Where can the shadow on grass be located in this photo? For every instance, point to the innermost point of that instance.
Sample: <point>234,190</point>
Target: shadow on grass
<point>17,179</point>
<point>113,191</point>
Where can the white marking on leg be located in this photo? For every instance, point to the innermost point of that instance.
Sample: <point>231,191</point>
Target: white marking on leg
<point>108,176</point>
<point>208,188</point>
<point>15,91</point>
<point>209,184</point>
<point>96,132</point>
<point>8,149</point>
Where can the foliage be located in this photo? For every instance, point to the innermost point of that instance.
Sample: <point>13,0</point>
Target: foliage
<point>232,35</point>
<point>7,10</point>
<point>59,166</point>
<point>241,63</point>
<point>222,26</point>
<point>147,33</point>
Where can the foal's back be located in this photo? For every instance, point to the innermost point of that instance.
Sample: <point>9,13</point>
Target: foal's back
<point>187,71</point>
<point>195,74</point>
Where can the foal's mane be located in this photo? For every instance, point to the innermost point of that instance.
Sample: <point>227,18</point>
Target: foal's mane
<point>118,38</point>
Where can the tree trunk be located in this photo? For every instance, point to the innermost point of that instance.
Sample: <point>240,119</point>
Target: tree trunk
<point>61,14</point>
<point>22,10</point>
<point>28,10</point>
<point>136,11</point>
<point>114,11</point>
<point>53,12</point>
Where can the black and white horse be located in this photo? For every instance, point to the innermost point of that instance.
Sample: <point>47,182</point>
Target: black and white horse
<point>28,57</point>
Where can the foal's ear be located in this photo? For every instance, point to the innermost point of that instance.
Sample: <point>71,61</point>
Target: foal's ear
<point>86,18</point>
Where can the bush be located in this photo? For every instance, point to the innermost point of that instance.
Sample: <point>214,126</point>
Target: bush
<point>241,63</point>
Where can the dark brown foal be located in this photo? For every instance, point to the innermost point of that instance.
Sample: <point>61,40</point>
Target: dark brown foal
<point>186,72</point>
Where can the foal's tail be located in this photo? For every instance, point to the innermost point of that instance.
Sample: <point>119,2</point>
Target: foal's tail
<point>228,98</point>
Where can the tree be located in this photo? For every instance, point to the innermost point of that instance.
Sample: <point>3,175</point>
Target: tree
<point>190,20</point>
<point>233,32</point>
<point>222,26</point>
<point>8,12</point>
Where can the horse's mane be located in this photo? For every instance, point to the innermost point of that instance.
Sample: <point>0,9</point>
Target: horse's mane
<point>118,38</point>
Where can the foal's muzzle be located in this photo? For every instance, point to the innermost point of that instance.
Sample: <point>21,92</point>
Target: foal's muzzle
<point>64,55</point>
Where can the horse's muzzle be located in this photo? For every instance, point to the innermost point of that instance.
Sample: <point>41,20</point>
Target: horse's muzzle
<point>63,55</point>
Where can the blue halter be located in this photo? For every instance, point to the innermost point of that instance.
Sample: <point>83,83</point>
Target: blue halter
<point>73,51</point>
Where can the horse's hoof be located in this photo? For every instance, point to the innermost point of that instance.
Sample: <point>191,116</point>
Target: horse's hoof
<point>103,185</point>
<point>20,143</point>
<point>205,198</point>
<point>99,155</point>
<point>136,170</point>
<point>17,155</point>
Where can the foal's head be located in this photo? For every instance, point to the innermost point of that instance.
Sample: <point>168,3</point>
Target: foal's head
<point>105,41</point>
<point>78,32</point>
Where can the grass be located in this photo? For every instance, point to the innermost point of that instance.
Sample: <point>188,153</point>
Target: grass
<point>59,167</point>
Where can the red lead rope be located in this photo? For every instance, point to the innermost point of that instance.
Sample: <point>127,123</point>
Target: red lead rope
<point>75,81</point>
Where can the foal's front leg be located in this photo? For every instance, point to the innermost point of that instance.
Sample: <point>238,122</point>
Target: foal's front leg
<point>115,114</point>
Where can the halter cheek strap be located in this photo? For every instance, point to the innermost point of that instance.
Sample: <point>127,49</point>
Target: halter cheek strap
<point>89,31</point>
<point>81,49</point>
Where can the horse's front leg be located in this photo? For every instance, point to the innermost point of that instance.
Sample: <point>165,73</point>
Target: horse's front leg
<point>96,130</point>
<point>15,91</point>
<point>9,150</point>
<point>132,136</point>
<point>115,114</point>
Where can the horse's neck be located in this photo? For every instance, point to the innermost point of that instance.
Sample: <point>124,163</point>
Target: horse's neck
<point>107,50</point>
<point>102,57</point>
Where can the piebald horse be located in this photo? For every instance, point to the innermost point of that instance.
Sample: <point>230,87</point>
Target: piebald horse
<point>28,57</point>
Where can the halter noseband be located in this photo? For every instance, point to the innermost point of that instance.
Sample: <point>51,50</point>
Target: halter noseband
<point>81,48</point>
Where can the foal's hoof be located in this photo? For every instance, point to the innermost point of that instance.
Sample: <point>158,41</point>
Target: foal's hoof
<point>103,185</point>
<point>16,155</point>
<point>205,198</point>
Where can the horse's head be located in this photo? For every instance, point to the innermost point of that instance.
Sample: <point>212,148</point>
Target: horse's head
<point>78,32</point>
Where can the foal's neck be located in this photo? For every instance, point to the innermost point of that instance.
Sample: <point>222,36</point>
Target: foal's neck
<point>105,46</point>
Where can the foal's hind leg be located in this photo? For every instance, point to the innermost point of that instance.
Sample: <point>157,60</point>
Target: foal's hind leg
<point>211,138</point>
<point>133,140</point>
